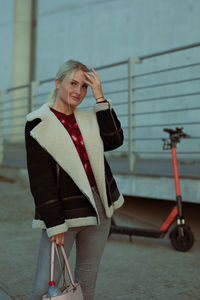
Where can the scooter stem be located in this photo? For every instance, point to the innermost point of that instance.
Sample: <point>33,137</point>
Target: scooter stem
<point>177,184</point>
<point>176,175</point>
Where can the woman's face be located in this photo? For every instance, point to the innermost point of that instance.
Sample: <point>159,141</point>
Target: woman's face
<point>73,90</point>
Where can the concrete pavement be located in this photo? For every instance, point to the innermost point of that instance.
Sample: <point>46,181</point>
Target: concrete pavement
<point>140,270</point>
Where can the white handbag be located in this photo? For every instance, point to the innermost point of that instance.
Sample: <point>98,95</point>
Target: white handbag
<point>69,292</point>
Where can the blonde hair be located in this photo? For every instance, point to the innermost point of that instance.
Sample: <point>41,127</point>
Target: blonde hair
<point>67,69</point>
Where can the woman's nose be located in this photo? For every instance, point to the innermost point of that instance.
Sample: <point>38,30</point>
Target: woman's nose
<point>78,90</point>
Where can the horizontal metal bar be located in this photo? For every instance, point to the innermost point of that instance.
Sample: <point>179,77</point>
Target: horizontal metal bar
<point>158,139</point>
<point>14,99</point>
<point>8,136</point>
<point>103,82</point>
<point>165,84</point>
<point>166,70</point>
<point>116,104</point>
<point>111,92</point>
<point>13,118</point>
<point>161,138</point>
<point>8,131</point>
<point>123,62</point>
<point>11,149</point>
<point>167,124</point>
<point>3,110</point>
<point>166,111</point>
<point>165,152</point>
<point>18,87</point>
<point>116,92</point>
<point>96,68</point>
<point>41,94</point>
<point>178,49</point>
<point>148,139</point>
<point>121,103</point>
<point>46,80</point>
<point>12,109</point>
<point>114,80</point>
<point>108,93</point>
<point>167,97</point>
<point>124,115</point>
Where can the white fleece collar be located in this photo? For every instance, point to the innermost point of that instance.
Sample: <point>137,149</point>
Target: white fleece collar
<point>54,138</point>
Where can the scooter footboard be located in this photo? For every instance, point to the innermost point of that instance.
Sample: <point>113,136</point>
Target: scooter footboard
<point>137,231</point>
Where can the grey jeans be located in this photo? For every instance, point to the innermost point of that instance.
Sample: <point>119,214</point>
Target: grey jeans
<point>90,243</point>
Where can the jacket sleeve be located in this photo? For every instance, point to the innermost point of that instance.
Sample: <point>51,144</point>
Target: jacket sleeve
<point>110,127</point>
<point>43,184</point>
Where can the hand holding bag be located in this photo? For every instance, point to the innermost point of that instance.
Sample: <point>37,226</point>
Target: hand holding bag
<point>70,292</point>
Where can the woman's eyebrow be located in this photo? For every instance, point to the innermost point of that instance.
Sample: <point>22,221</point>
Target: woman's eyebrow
<point>79,82</point>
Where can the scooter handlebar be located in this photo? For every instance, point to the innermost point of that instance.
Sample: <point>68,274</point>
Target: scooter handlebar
<point>178,133</point>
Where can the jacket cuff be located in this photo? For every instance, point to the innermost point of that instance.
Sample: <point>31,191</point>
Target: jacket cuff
<point>103,106</point>
<point>57,229</point>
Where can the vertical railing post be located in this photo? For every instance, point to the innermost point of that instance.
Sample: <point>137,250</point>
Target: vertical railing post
<point>131,95</point>
<point>32,94</point>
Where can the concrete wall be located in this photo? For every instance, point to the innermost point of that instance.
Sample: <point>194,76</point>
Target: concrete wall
<point>6,38</point>
<point>99,32</point>
<point>102,32</point>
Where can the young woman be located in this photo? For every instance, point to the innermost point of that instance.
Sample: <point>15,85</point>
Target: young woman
<point>73,187</point>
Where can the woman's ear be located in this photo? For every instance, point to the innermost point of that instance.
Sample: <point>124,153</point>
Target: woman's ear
<point>57,83</point>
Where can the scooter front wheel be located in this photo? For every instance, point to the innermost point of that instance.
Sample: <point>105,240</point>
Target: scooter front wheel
<point>182,238</point>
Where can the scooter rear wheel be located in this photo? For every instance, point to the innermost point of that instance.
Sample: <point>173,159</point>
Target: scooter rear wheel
<point>182,243</point>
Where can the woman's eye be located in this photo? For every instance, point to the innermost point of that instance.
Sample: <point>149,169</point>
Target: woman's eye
<point>85,86</point>
<point>73,83</point>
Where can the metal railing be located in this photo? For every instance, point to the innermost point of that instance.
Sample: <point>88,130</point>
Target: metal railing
<point>149,93</point>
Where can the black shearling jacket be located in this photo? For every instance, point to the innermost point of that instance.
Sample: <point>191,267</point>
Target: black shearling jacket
<point>64,199</point>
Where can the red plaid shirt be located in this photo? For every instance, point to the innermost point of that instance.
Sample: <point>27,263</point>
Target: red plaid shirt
<point>70,124</point>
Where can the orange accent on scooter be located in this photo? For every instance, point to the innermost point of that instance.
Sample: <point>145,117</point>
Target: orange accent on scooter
<point>176,176</point>
<point>169,219</point>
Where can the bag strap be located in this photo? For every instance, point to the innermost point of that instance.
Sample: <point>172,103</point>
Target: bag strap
<point>67,266</point>
<point>52,260</point>
<point>62,268</point>
<point>53,246</point>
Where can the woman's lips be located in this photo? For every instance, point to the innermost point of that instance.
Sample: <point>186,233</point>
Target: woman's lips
<point>75,98</point>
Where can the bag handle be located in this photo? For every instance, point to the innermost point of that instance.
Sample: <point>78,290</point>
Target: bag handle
<point>53,246</point>
<point>67,266</point>
<point>52,261</point>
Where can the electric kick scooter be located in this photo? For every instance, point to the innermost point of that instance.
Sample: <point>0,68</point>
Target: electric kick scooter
<point>181,236</point>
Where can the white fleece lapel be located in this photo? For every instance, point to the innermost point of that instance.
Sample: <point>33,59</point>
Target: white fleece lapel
<point>54,138</point>
<point>87,122</point>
